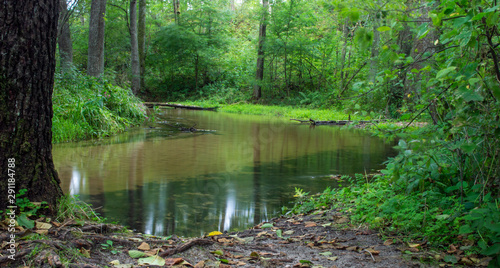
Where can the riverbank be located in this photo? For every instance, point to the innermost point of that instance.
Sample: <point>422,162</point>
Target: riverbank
<point>326,236</point>
<point>323,238</point>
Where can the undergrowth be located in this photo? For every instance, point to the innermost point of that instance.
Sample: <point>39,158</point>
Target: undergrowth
<point>88,107</point>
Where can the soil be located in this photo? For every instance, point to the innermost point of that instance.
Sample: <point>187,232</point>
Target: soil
<point>320,239</point>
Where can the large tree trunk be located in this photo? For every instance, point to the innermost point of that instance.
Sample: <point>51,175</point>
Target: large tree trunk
<point>134,50</point>
<point>141,38</point>
<point>64,38</point>
<point>259,74</point>
<point>95,61</point>
<point>28,36</point>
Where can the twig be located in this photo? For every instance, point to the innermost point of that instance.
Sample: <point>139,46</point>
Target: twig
<point>370,254</point>
<point>188,245</point>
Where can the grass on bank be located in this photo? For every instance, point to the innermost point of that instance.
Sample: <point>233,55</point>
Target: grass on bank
<point>87,107</point>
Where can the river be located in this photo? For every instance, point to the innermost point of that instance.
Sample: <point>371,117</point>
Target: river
<point>161,181</point>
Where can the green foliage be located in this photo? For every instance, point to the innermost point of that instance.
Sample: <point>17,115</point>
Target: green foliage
<point>109,246</point>
<point>70,207</point>
<point>87,107</point>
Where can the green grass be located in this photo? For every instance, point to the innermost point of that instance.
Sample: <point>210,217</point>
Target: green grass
<point>86,107</point>
<point>281,111</point>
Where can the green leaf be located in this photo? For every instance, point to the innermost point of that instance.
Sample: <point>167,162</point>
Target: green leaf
<point>383,29</point>
<point>134,254</point>
<point>468,147</point>
<point>25,222</point>
<point>444,72</point>
<point>305,261</point>
<point>495,249</point>
<point>217,252</point>
<point>279,233</point>
<point>442,217</point>
<point>450,259</point>
<point>465,229</point>
<point>495,227</point>
<point>267,225</point>
<point>224,260</point>
<point>153,260</point>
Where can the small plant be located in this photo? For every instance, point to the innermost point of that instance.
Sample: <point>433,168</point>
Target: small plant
<point>109,246</point>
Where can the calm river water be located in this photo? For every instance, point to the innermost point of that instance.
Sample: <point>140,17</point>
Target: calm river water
<point>159,181</point>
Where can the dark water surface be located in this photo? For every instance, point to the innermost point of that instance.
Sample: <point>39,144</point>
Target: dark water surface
<point>159,181</point>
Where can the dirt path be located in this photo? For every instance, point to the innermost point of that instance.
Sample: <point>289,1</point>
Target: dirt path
<point>316,240</point>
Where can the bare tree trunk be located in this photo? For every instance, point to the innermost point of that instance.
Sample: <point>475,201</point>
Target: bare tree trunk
<point>141,37</point>
<point>232,6</point>
<point>259,75</point>
<point>134,49</point>
<point>374,53</point>
<point>177,10</point>
<point>28,37</point>
<point>64,38</point>
<point>95,61</point>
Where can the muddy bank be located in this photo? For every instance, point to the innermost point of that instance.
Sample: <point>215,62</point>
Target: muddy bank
<point>320,239</point>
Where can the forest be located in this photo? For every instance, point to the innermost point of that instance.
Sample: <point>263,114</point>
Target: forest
<point>433,62</point>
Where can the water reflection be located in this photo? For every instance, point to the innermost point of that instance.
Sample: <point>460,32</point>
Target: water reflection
<point>162,182</point>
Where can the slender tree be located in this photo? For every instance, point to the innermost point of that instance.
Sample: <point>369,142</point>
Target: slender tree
<point>64,38</point>
<point>28,36</point>
<point>134,49</point>
<point>177,11</point>
<point>141,38</point>
<point>95,61</point>
<point>259,75</point>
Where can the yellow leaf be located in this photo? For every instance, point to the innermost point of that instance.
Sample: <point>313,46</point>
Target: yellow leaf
<point>144,246</point>
<point>214,233</point>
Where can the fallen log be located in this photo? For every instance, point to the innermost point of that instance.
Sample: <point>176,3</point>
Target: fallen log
<point>189,107</point>
<point>333,122</point>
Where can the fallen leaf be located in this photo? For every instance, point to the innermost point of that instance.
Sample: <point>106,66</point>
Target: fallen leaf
<point>200,264</point>
<point>153,260</point>
<point>222,265</point>
<point>240,263</point>
<point>289,232</point>
<point>173,261</point>
<point>153,251</point>
<point>42,232</point>
<point>353,248</point>
<point>327,224</point>
<point>309,224</point>
<point>42,225</point>
<point>452,249</point>
<point>217,252</point>
<point>134,254</point>
<point>342,220</point>
<point>144,246</point>
<point>413,245</point>
<point>372,251</point>
<point>267,225</point>
<point>56,224</point>
<point>224,240</point>
<point>333,258</point>
<point>214,233</point>
<point>327,253</point>
<point>262,234</point>
<point>388,242</point>
<point>115,262</point>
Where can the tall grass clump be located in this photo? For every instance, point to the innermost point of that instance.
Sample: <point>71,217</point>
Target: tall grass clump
<point>88,107</point>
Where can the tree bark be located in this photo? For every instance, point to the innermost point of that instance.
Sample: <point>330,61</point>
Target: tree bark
<point>95,61</point>
<point>259,75</point>
<point>141,38</point>
<point>177,11</point>
<point>134,49</point>
<point>64,38</point>
<point>28,36</point>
